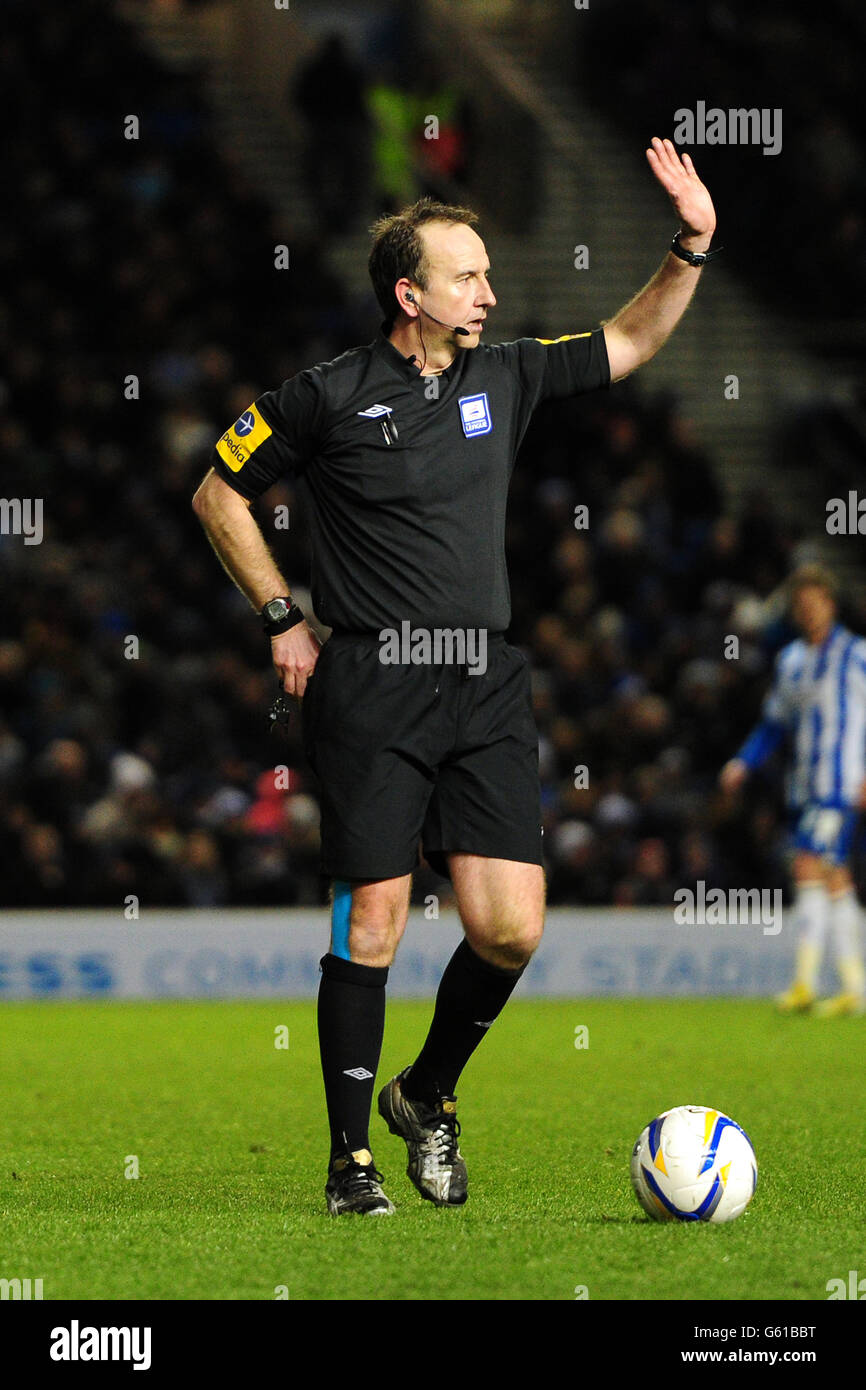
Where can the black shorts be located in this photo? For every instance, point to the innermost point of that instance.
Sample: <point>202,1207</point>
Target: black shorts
<point>414,755</point>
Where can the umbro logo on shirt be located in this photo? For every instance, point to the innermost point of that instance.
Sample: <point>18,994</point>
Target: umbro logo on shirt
<point>383,414</point>
<point>358,1073</point>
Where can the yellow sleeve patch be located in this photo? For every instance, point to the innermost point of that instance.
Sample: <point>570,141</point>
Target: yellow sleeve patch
<point>244,437</point>
<point>566,338</point>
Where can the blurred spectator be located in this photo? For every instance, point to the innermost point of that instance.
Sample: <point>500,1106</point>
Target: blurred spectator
<point>396,127</point>
<point>329,92</point>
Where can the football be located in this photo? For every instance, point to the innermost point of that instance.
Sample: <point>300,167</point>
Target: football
<point>694,1164</point>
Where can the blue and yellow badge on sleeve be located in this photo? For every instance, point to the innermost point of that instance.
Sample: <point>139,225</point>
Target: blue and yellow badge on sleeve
<point>244,437</point>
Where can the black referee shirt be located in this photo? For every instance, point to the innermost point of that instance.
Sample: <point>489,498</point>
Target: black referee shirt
<point>407,476</point>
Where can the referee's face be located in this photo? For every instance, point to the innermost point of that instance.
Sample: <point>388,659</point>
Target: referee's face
<point>458,290</point>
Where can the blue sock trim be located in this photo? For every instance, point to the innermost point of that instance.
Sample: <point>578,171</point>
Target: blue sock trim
<point>341,909</point>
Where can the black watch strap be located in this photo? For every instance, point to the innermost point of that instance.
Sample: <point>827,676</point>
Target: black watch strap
<point>697,258</point>
<point>280,614</point>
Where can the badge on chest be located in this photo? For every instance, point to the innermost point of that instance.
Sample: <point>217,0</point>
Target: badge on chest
<point>475,414</point>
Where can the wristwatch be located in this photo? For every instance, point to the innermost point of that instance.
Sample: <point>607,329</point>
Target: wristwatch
<point>697,258</point>
<point>279,614</point>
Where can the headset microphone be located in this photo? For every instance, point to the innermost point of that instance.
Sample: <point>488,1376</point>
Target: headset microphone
<point>462,332</point>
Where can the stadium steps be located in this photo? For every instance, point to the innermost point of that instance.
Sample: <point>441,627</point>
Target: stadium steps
<point>252,133</point>
<point>247,129</point>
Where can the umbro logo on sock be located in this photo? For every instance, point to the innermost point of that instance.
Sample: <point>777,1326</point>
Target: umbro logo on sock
<point>358,1073</point>
<point>479,1024</point>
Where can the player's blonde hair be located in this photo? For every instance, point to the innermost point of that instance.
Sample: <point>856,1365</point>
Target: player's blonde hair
<point>812,576</point>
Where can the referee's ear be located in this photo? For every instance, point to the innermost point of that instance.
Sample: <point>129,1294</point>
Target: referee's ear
<point>404,292</point>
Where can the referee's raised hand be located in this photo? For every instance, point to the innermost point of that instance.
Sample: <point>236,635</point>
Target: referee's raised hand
<point>295,654</point>
<point>689,196</point>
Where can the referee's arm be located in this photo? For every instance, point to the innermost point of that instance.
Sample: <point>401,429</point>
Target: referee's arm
<point>637,332</point>
<point>244,555</point>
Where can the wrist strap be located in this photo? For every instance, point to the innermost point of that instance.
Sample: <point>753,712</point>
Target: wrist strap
<point>697,258</point>
<point>294,616</point>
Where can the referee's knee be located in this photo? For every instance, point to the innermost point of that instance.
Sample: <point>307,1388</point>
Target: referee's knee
<point>373,943</point>
<point>508,944</point>
<point>369,919</point>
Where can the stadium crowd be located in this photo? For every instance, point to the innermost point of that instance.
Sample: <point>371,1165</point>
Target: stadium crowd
<point>135,759</point>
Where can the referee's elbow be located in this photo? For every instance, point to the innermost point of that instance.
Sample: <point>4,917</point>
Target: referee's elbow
<point>199,498</point>
<point>213,493</point>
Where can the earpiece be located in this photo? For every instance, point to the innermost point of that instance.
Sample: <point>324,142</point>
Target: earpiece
<point>410,299</point>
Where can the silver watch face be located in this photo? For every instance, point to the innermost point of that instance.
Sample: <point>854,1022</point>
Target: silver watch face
<point>276,610</point>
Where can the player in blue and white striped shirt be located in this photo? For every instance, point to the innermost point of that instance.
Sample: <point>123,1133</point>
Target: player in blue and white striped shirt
<point>817,709</point>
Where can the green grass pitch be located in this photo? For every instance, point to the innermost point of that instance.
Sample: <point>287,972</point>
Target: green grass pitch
<point>229,1136</point>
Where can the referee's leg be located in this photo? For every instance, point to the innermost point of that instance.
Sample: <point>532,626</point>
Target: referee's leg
<point>367,921</point>
<point>377,920</point>
<point>501,906</point>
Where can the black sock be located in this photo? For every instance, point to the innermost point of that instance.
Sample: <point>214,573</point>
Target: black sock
<point>351,1016</point>
<point>471,995</point>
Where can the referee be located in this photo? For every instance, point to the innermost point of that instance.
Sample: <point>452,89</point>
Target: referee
<point>416,713</point>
